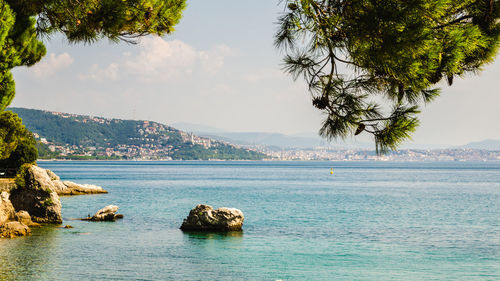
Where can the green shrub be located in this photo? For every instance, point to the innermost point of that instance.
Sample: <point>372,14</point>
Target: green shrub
<point>21,175</point>
<point>48,202</point>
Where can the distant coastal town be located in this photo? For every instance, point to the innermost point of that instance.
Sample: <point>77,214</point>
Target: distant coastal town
<point>149,148</point>
<point>73,136</point>
<point>322,153</point>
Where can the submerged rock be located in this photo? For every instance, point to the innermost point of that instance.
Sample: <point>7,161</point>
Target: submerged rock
<point>14,229</point>
<point>205,218</point>
<point>107,213</point>
<point>35,194</point>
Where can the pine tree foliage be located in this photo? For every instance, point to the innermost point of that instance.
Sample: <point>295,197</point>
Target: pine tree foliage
<point>91,20</point>
<point>369,64</point>
<point>18,46</point>
<point>23,22</point>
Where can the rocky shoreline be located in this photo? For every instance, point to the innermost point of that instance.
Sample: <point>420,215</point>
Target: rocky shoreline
<point>33,198</point>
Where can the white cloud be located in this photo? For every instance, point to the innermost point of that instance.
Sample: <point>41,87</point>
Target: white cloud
<point>51,64</point>
<point>162,60</point>
<point>213,60</point>
<point>101,74</point>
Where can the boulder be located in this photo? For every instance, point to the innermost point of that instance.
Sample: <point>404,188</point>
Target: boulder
<point>107,213</point>
<point>72,188</point>
<point>205,218</point>
<point>7,211</point>
<point>49,180</point>
<point>14,229</point>
<point>39,178</point>
<point>36,195</point>
<point>25,218</point>
<point>8,227</point>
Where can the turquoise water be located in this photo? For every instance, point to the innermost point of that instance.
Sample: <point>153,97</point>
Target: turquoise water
<point>368,221</point>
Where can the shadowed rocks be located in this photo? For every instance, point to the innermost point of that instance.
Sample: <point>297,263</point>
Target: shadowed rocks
<point>13,224</point>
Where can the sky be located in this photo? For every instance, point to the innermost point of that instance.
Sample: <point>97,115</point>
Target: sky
<point>220,69</point>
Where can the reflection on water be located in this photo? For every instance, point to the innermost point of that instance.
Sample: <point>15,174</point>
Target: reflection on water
<point>214,235</point>
<point>34,257</point>
<point>214,240</point>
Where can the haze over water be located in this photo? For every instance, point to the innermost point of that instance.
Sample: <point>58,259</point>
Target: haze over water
<point>367,221</point>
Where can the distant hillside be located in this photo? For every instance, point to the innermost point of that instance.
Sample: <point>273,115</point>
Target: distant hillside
<point>64,135</point>
<point>270,139</point>
<point>485,144</point>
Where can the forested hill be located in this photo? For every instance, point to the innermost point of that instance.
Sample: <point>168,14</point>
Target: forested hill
<point>71,136</point>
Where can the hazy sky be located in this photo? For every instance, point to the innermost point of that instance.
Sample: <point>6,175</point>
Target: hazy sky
<point>220,68</point>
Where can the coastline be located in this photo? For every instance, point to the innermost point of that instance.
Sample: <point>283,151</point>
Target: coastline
<point>271,160</point>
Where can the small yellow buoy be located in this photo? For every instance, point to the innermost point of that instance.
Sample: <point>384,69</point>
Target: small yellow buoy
<point>331,171</point>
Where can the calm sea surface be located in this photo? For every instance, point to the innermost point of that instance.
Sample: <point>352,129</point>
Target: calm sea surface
<point>367,221</point>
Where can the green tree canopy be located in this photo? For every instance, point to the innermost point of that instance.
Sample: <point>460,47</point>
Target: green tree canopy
<point>17,145</point>
<point>369,64</point>
<point>11,132</point>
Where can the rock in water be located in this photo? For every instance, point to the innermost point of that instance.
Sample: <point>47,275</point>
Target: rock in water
<point>49,180</point>
<point>205,218</point>
<point>107,213</point>
<point>14,229</point>
<point>72,188</point>
<point>36,195</point>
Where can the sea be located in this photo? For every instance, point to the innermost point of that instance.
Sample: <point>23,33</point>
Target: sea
<point>366,221</point>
